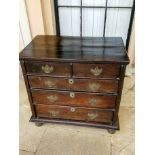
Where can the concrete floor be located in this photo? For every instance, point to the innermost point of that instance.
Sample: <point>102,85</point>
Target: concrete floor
<point>56,139</point>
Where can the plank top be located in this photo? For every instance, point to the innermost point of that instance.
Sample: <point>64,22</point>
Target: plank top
<point>53,48</point>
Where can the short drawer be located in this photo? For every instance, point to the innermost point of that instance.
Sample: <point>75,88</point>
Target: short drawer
<point>74,113</point>
<point>96,70</point>
<point>90,85</point>
<point>73,99</point>
<point>48,68</point>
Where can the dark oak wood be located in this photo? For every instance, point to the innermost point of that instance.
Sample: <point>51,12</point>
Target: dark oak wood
<point>55,69</point>
<point>75,80</point>
<point>111,131</point>
<point>88,70</point>
<point>90,85</point>
<point>120,87</point>
<point>38,124</point>
<point>27,88</point>
<point>76,49</point>
<point>75,122</point>
<point>74,113</point>
<point>80,99</point>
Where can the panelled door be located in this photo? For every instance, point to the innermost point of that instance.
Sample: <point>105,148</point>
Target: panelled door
<point>94,18</point>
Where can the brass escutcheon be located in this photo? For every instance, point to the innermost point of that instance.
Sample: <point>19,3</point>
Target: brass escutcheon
<point>92,115</point>
<point>72,95</point>
<point>71,81</point>
<point>52,98</point>
<point>94,87</point>
<point>96,71</point>
<point>72,109</point>
<point>93,102</point>
<point>47,69</point>
<point>54,113</point>
<point>49,83</point>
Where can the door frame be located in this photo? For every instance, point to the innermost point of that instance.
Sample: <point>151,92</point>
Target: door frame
<point>56,9</point>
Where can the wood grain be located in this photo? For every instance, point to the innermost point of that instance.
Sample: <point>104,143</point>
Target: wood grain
<point>75,80</point>
<point>80,99</point>
<point>76,49</point>
<point>84,70</point>
<point>64,112</point>
<point>89,85</point>
<point>59,69</point>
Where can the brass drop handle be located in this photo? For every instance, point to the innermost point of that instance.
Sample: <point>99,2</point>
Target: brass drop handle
<point>96,71</point>
<point>72,109</point>
<point>47,69</point>
<point>94,87</point>
<point>92,116</point>
<point>93,102</point>
<point>54,113</point>
<point>72,95</point>
<point>71,81</point>
<point>49,83</point>
<point>52,98</point>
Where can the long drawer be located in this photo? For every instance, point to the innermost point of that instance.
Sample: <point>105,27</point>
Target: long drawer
<point>90,85</point>
<point>74,113</point>
<point>82,99</point>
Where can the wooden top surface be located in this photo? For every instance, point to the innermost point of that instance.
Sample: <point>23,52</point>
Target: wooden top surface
<point>109,49</point>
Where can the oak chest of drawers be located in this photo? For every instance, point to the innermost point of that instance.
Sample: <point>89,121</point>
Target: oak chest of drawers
<point>75,80</point>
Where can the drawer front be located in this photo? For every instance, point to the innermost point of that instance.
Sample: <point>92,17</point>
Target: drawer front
<point>74,98</point>
<point>94,85</point>
<point>74,113</point>
<point>48,82</point>
<point>96,70</point>
<point>90,85</point>
<point>55,69</point>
